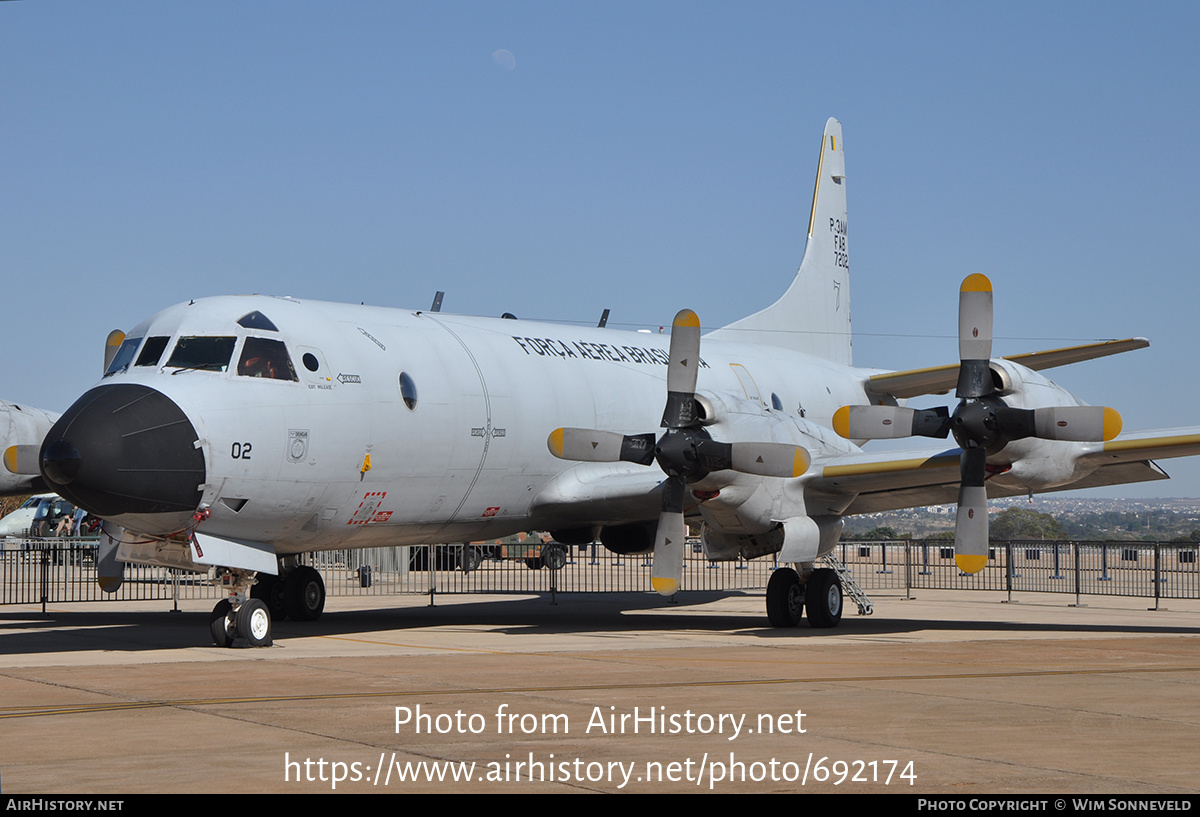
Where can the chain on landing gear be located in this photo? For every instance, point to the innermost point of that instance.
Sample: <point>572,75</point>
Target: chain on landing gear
<point>240,620</point>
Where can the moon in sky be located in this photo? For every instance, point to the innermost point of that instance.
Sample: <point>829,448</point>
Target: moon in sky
<point>504,58</point>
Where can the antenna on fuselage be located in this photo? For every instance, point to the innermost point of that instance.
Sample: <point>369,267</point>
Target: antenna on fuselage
<point>437,302</point>
<point>603,320</point>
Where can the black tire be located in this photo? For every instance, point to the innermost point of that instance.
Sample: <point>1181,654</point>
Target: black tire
<point>823,598</point>
<point>219,624</point>
<point>254,623</point>
<point>554,557</point>
<point>785,598</point>
<point>271,590</point>
<point>534,563</point>
<point>304,594</point>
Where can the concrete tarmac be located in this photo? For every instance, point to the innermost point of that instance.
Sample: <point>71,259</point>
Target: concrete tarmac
<point>953,693</point>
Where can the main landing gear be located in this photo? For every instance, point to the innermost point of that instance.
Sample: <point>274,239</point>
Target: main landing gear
<point>244,619</point>
<point>787,596</point>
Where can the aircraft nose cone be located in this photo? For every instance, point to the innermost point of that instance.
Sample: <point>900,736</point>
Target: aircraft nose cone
<point>125,449</point>
<point>60,462</point>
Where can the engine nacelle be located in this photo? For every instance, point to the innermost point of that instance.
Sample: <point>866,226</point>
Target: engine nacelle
<point>574,536</point>
<point>1024,388</point>
<point>805,538</point>
<point>798,539</point>
<point>21,428</point>
<point>720,546</point>
<point>628,540</point>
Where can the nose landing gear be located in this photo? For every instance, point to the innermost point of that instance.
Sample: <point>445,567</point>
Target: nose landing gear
<point>244,618</point>
<point>240,620</point>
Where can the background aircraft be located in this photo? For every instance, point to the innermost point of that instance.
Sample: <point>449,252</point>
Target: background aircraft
<point>240,432</point>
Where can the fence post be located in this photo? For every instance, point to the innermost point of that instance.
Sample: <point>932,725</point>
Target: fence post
<point>1157,575</point>
<point>908,566</point>
<point>45,577</point>
<point>1078,580</point>
<point>1008,568</point>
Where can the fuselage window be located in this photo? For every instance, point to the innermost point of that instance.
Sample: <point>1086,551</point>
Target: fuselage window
<point>122,358</point>
<point>152,351</point>
<point>263,357</point>
<point>310,361</point>
<point>408,391</point>
<point>207,354</point>
<point>257,320</point>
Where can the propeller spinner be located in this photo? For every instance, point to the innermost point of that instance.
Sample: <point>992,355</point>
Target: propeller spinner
<point>685,452</point>
<point>982,423</point>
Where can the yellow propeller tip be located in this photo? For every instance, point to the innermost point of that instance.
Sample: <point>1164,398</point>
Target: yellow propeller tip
<point>801,462</point>
<point>686,317</point>
<point>976,282</point>
<point>968,563</point>
<point>841,422</point>
<point>1112,423</point>
<point>665,587</point>
<point>555,442</point>
<point>109,584</point>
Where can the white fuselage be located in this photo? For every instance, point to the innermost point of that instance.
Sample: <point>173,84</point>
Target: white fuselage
<point>338,458</point>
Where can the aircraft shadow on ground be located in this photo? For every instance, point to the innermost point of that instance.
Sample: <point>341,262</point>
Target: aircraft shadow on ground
<point>135,631</point>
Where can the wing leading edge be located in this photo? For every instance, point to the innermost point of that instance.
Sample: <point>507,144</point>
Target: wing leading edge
<point>908,479</point>
<point>941,379</point>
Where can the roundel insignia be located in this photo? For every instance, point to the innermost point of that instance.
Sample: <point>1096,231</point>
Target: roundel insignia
<point>297,450</point>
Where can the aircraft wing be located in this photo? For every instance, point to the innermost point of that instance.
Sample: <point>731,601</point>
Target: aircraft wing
<point>941,379</point>
<point>895,480</point>
<point>1171,442</point>
<point>597,493</point>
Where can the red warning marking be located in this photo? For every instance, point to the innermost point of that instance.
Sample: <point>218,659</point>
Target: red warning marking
<point>491,511</point>
<point>367,509</point>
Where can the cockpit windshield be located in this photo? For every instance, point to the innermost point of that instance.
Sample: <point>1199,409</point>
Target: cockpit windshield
<point>210,354</point>
<point>122,358</point>
<point>152,351</point>
<point>263,357</point>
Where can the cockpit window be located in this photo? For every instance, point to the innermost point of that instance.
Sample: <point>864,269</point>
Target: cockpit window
<point>257,320</point>
<point>208,354</point>
<point>152,351</point>
<point>263,357</point>
<point>124,355</point>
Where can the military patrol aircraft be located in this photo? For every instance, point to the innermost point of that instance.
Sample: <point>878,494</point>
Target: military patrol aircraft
<point>241,432</point>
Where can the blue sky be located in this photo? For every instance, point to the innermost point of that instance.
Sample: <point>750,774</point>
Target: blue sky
<point>637,156</point>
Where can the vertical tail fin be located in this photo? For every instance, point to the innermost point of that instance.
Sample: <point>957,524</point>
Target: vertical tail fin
<point>813,316</point>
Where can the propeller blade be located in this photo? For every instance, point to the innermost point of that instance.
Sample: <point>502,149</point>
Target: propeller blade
<point>971,525</point>
<point>1087,424</point>
<point>769,459</point>
<point>680,411</point>
<point>763,459</point>
<point>592,445</point>
<point>890,422</point>
<point>974,336</point>
<point>667,572</point>
<point>23,459</point>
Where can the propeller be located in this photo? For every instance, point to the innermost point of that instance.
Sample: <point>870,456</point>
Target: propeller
<point>982,423</point>
<point>685,452</point>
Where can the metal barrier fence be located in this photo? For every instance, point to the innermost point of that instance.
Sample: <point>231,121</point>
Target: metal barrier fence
<point>1141,569</point>
<point>44,571</point>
